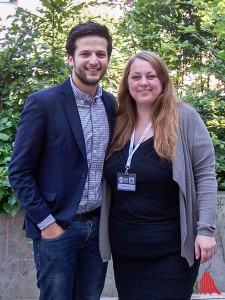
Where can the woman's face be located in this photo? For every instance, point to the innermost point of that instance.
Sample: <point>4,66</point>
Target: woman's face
<point>143,84</point>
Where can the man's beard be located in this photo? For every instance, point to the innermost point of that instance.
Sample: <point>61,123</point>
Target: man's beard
<point>82,77</point>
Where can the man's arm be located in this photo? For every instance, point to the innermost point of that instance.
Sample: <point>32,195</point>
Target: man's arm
<point>26,157</point>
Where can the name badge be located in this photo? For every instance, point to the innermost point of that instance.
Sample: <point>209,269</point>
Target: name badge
<point>126,182</point>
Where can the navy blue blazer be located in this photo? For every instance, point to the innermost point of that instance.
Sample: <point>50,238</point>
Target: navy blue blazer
<point>48,168</point>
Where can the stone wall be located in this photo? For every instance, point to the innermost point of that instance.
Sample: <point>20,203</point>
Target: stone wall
<point>18,275</point>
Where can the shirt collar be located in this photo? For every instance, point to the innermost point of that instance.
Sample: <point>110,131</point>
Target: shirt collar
<point>83,98</point>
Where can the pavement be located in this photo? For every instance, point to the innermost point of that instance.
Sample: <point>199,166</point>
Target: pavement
<point>194,297</point>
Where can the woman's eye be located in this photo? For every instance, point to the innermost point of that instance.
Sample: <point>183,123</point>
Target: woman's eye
<point>151,77</point>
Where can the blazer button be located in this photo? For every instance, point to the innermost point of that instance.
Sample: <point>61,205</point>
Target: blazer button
<point>83,175</point>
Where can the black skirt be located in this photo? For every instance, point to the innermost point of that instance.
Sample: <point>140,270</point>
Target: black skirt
<point>163,278</point>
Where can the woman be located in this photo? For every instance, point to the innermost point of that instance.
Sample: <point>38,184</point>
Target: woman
<point>161,170</point>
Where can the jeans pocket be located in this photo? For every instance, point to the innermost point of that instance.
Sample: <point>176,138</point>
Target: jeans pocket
<point>59,237</point>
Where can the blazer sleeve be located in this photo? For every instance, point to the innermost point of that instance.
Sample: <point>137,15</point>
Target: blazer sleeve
<point>26,157</point>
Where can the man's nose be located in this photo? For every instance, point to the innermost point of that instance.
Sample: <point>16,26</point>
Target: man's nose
<point>93,59</point>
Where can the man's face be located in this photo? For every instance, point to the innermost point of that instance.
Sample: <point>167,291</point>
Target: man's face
<point>90,61</point>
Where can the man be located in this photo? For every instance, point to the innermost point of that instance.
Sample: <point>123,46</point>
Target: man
<point>56,169</point>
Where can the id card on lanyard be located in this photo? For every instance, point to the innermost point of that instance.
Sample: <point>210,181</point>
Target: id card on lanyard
<point>127,181</point>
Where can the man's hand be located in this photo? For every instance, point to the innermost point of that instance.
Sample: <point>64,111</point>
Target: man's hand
<point>52,231</point>
<point>205,247</point>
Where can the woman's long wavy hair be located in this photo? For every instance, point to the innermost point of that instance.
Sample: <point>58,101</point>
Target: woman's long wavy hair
<point>164,114</point>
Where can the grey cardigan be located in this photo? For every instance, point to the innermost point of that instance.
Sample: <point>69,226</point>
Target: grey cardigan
<point>194,171</point>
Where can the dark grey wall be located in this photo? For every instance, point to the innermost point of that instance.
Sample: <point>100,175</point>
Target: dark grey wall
<point>18,276</point>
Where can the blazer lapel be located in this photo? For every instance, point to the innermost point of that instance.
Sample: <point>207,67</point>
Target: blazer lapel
<point>73,116</point>
<point>110,107</point>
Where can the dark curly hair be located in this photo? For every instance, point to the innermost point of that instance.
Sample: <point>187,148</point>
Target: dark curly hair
<point>85,29</point>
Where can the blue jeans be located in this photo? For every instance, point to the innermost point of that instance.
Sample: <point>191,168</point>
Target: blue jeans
<point>70,267</point>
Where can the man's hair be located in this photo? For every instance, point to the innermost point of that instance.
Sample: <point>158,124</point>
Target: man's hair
<point>87,29</point>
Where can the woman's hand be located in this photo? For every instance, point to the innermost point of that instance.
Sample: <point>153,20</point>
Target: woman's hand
<point>205,247</point>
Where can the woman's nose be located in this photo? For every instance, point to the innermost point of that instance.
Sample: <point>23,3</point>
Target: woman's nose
<point>144,80</point>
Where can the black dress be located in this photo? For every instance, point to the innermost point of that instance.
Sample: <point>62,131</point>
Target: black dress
<point>144,229</point>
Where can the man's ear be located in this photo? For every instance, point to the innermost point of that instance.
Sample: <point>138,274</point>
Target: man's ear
<point>70,60</point>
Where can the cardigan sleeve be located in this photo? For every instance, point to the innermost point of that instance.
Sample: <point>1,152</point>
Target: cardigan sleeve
<point>202,160</point>
<point>203,167</point>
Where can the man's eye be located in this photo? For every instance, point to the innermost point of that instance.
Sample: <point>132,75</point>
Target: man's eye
<point>101,55</point>
<point>84,54</point>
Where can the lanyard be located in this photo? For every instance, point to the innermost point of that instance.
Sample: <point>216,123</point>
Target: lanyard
<point>131,150</point>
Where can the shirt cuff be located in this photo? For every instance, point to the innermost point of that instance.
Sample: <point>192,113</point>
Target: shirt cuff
<point>46,222</point>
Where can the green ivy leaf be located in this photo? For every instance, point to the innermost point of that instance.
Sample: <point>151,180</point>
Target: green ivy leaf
<point>12,210</point>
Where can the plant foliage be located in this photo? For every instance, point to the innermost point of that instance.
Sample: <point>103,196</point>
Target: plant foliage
<point>188,34</point>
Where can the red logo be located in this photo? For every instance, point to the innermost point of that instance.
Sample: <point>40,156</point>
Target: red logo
<point>207,284</point>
